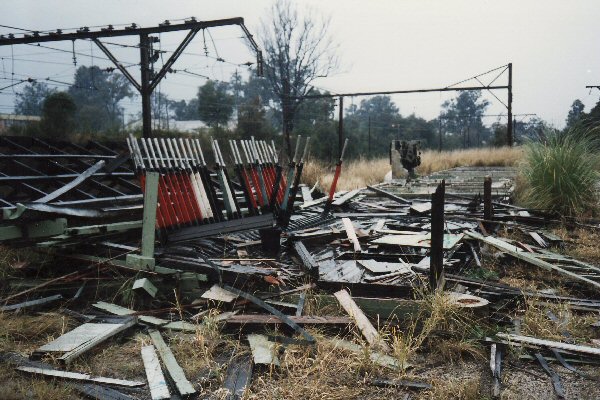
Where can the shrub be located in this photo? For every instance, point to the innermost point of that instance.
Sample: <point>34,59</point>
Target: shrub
<point>560,175</point>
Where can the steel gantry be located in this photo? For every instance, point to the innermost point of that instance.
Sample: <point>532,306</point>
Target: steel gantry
<point>451,88</point>
<point>148,80</point>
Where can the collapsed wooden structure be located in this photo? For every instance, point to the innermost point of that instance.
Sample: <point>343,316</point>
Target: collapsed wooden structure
<point>251,244</point>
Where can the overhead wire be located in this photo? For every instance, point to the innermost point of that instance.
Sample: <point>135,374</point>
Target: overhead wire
<point>477,76</point>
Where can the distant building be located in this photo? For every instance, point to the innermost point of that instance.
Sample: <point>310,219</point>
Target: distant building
<point>8,120</point>
<point>182,126</point>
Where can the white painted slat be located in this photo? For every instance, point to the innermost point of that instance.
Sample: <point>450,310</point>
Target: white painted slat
<point>156,380</point>
<point>173,369</point>
<point>79,377</point>
<point>550,343</point>
<point>77,337</point>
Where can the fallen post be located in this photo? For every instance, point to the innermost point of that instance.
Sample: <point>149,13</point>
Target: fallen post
<point>157,384</point>
<point>361,320</point>
<point>183,386</point>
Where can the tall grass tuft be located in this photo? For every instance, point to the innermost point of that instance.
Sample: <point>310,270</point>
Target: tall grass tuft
<point>560,175</point>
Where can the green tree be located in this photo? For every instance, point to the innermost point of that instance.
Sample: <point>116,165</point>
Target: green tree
<point>575,113</point>
<point>252,121</point>
<point>215,105</point>
<point>463,116</point>
<point>185,110</point>
<point>97,94</point>
<point>58,114</point>
<point>314,118</point>
<point>297,49</point>
<point>382,117</point>
<point>31,99</point>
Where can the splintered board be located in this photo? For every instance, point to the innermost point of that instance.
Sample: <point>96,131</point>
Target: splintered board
<point>81,339</point>
<point>450,240</point>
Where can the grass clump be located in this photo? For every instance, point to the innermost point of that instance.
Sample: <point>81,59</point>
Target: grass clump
<point>439,314</point>
<point>560,175</point>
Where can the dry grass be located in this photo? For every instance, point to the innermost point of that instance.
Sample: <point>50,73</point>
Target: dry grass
<point>432,161</point>
<point>582,244</point>
<point>362,172</point>
<point>323,372</point>
<point>23,334</point>
<point>355,174</point>
<point>438,313</point>
<point>26,332</point>
<point>455,389</point>
<point>329,372</point>
<point>17,386</point>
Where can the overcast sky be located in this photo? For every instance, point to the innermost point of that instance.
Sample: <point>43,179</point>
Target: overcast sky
<point>554,46</point>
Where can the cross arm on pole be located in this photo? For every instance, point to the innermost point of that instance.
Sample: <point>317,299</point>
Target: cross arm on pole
<point>173,58</point>
<point>118,64</point>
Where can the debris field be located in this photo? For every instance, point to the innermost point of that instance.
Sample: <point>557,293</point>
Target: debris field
<point>214,272</point>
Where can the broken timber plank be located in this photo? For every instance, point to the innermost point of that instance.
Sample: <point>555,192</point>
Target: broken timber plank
<point>306,194</point>
<point>82,338</point>
<point>307,336</point>
<point>79,377</point>
<point>538,239</point>
<point>307,259</point>
<point>237,377</point>
<point>74,183</point>
<point>527,257</point>
<point>300,320</point>
<point>361,320</point>
<point>376,308</point>
<point>592,351</point>
<point>342,199</point>
<point>263,351</point>
<point>389,195</point>
<point>182,326</point>
<point>159,389</point>
<point>351,233</point>
<point>183,386</point>
<point>31,303</point>
<point>421,208</point>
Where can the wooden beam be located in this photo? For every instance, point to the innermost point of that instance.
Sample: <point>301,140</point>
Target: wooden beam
<point>183,386</point>
<point>361,320</point>
<point>79,377</point>
<point>264,319</point>
<point>436,257</point>
<point>528,340</point>
<point>528,257</point>
<point>307,259</point>
<point>157,384</point>
<point>351,233</point>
